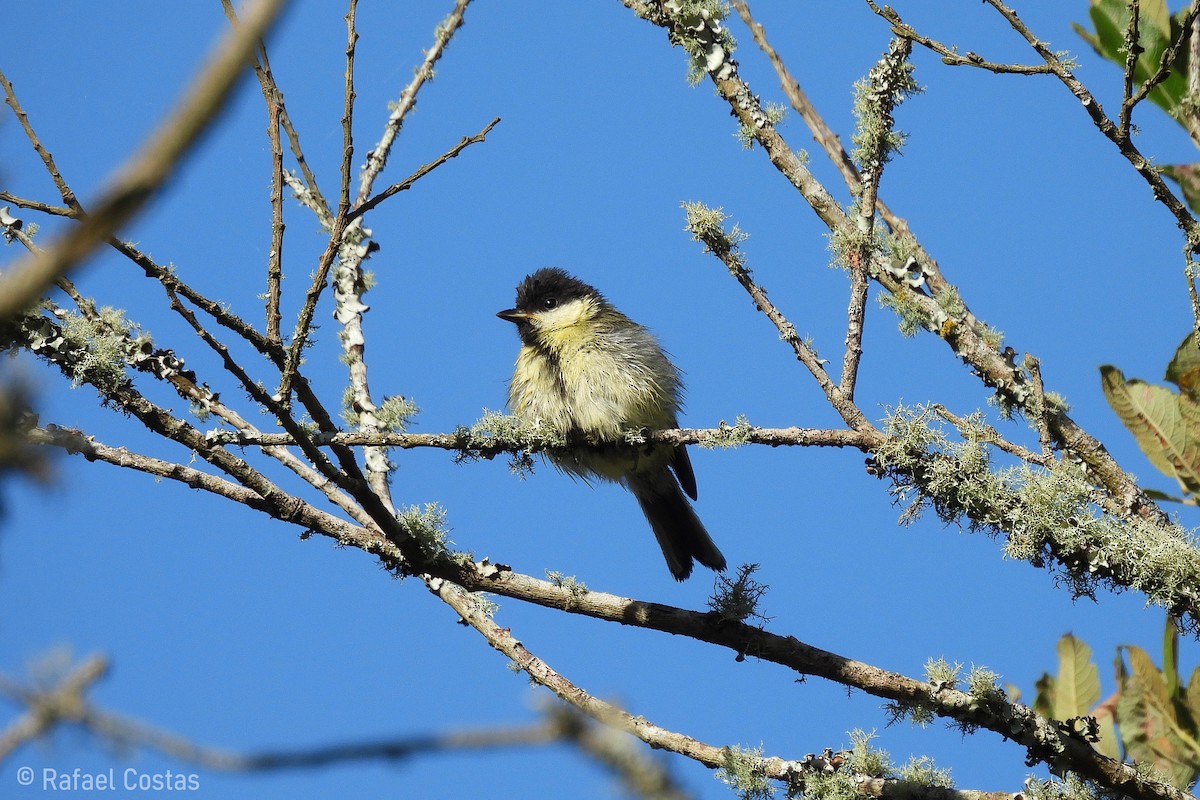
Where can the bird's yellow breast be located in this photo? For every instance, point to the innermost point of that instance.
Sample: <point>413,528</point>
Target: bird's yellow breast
<point>590,370</point>
<point>595,372</point>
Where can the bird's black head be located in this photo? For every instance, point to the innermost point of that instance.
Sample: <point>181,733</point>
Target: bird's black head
<point>549,288</point>
<point>543,292</point>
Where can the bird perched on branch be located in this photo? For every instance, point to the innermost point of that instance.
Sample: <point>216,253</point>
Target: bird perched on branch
<point>586,370</point>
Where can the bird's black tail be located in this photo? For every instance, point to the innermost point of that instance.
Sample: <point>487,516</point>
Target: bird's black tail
<point>680,533</point>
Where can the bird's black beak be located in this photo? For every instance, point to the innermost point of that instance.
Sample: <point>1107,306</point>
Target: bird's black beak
<point>514,315</point>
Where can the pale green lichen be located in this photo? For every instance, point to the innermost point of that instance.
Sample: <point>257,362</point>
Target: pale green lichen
<point>744,772</point>
<point>698,27</point>
<point>941,673</point>
<point>575,587</point>
<point>484,604</point>
<point>496,431</point>
<point>850,246</point>
<point>887,85</point>
<point>729,436</point>
<point>100,344</point>
<point>983,685</point>
<point>863,760</point>
<point>707,226</point>
<point>395,413</point>
<point>914,316</point>
<point>747,132</point>
<point>1047,515</point>
<point>1070,787</point>
<point>427,526</point>
<point>921,771</point>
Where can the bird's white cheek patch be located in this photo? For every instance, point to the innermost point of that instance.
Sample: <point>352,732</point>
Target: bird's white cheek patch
<point>566,315</point>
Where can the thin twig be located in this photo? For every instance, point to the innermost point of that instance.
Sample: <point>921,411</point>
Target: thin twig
<point>856,317</point>
<point>348,111</point>
<point>423,170</point>
<point>299,338</point>
<point>1133,49</point>
<point>275,257</point>
<point>992,437</point>
<point>378,156</point>
<point>274,103</point>
<point>724,247</point>
<point>1041,412</point>
<point>1163,193</point>
<point>822,133</point>
<point>271,91</point>
<point>1169,57</point>
<point>36,205</point>
<point>950,55</point>
<point>147,172</point>
<point>64,190</point>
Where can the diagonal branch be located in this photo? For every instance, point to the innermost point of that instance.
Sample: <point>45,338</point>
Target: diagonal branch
<point>1142,165</point>
<point>147,172</point>
<point>1168,60</point>
<point>951,56</point>
<point>423,170</point>
<point>967,336</point>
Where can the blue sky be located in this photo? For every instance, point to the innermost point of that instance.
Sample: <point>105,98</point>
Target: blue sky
<point>225,627</point>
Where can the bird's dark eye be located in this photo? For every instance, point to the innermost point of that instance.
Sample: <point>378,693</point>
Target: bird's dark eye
<point>549,303</point>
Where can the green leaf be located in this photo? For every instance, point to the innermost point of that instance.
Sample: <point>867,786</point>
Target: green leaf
<point>1078,684</point>
<point>1184,369</point>
<point>1165,425</point>
<point>1188,178</point>
<point>1043,701</point>
<point>1156,30</point>
<point>1106,720</point>
<point>1171,660</point>
<point>1147,722</point>
<point>1191,698</point>
<point>1155,494</point>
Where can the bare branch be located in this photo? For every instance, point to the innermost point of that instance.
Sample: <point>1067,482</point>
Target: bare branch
<point>147,172</point>
<point>950,55</point>
<point>275,112</point>
<point>64,190</point>
<point>1183,217</point>
<point>348,112</point>
<point>423,170</point>
<point>378,156</point>
<point>1133,49</point>
<point>47,708</point>
<point>1169,57</point>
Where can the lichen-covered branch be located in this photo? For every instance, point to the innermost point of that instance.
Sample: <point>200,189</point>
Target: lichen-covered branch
<point>917,287</point>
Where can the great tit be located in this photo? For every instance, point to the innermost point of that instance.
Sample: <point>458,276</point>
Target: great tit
<point>587,370</point>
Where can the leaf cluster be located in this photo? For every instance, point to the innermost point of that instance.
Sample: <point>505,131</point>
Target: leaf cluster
<point>1153,717</point>
<point>1165,423</point>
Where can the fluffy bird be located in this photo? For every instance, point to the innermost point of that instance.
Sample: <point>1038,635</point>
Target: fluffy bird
<point>586,369</point>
